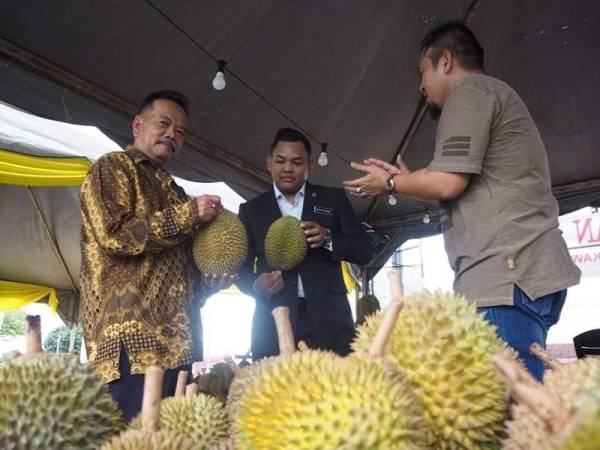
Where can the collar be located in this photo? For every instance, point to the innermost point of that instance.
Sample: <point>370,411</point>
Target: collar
<point>136,155</point>
<point>278,193</point>
<point>139,157</point>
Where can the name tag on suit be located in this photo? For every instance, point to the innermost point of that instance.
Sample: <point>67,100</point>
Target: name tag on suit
<point>322,210</point>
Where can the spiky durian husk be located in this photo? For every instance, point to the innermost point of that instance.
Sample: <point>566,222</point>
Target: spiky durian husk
<point>584,432</point>
<point>54,402</point>
<point>239,385</point>
<point>221,246</point>
<point>285,244</point>
<point>445,347</point>
<point>201,418</point>
<point>573,384</point>
<point>138,440</point>
<point>225,444</point>
<point>314,399</point>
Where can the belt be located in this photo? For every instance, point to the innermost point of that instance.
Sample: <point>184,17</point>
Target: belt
<point>301,303</point>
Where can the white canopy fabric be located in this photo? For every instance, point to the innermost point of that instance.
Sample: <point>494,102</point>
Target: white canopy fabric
<point>27,254</point>
<point>25,133</point>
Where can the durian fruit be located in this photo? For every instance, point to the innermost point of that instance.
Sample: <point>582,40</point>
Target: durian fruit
<point>315,399</point>
<point>217,381</point>
<point>225,444</point>
<point>444,347</point>
<point>149,437</point>
<point>572,384</point>
<point>54,402</point>
<point>51,401</point>
<point>244,377</point>
<point>366,306</point>
<point>201,418</point>
<point>285,244</point>
<point>221,246</point>
<point>584,431</point>
<point>565,425</point>
<point>238,388</point>
<point>139,440</point>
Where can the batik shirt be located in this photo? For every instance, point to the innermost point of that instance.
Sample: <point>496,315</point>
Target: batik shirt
<point>137,275</point>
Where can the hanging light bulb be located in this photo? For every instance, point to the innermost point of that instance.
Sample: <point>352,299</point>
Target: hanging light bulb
<point>392,200</point>
<point>219,80</point>
<point>323,160</point>
<point>426,218</point>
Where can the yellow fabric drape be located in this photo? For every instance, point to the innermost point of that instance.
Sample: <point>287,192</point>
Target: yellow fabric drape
<point>27,170</point>
<point>349,280</point>
<point>15,295</point>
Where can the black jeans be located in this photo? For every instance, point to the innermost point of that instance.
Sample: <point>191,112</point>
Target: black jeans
<point>128,390</point>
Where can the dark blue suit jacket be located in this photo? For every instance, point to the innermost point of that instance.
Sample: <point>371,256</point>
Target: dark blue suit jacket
<point>324,288</point>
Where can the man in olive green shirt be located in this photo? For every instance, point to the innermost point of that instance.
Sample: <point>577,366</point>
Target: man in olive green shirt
<point>490,175</point>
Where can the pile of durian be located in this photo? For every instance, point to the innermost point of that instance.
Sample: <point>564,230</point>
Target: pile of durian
<point>426,373</point>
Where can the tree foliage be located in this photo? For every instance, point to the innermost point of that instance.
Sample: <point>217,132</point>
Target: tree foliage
<point>61,337</point>
<point>14,324</point>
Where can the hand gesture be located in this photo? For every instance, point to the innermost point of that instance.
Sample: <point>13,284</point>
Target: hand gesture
<point>269,283</point>
<point>372,183</point>
<point>315,233</point>
<point>217,282</point>
<point>208,207</point>
<point>400,168</point>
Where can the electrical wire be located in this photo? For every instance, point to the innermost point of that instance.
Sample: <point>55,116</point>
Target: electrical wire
<point>242,81</point>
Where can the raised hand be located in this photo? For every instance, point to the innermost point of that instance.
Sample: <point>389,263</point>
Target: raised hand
<point>400,168</point>
<point>269,283</point>
<point>370,185</point>
<point>314,232</point>
<point>218,282</point>
<point>208,207</point>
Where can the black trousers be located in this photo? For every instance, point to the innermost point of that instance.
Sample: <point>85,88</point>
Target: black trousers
<point>128,390</point>
<point>304,331</point>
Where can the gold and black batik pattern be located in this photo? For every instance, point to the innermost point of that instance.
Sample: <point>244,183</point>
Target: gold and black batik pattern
<point>137,276</point>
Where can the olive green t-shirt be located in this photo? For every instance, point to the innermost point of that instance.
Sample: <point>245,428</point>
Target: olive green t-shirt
<point>503,229</point>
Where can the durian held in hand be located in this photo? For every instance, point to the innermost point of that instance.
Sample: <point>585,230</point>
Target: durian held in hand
<point>221,246</point>
<point>285,244</point>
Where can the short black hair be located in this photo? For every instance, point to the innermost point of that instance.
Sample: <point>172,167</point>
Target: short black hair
<point>457,38</point>
<point>290,135</point>
<point>166,94</point>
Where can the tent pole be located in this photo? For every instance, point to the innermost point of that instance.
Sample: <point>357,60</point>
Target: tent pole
<point>52,240</point>
<point>72,339</point>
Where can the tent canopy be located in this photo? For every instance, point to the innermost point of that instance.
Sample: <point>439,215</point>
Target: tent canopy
<point>344,71</point>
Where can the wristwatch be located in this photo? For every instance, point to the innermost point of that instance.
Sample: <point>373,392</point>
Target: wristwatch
<point>389,184</point>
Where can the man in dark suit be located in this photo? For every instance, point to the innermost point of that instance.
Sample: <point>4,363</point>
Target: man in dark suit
<point>314,291</point>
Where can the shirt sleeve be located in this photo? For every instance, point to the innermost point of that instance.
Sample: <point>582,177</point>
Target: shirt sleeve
<point>464,130</point>
<point>107,202</point>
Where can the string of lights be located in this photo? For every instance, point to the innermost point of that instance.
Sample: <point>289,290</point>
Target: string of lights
<point>219,83</point>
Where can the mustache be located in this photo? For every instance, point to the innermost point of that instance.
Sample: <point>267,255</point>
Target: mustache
<point>170,142</point>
